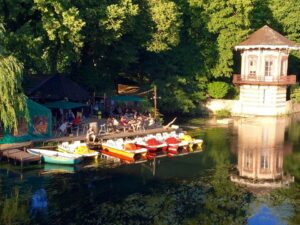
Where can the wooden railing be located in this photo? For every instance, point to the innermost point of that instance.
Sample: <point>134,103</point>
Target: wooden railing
<point>264,80</point>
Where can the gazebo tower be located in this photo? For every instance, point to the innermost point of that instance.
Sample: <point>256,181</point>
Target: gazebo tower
<point>263,80</point>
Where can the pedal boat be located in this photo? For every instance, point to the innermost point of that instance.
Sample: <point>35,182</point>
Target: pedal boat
<point>54,157</point>
<point>193,144</point>
<point>77,148</point>
<point>127,152</point>
<point>176,146</point>
<point>153,146</point>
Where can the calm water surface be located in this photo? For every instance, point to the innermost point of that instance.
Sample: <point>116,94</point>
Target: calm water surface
<point>248,174</point>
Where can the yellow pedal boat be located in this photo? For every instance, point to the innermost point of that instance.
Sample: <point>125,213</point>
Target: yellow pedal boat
<point>78,148</point>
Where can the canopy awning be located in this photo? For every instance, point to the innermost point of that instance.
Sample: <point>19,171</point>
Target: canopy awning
<point>64,105</point>
<point>127,98</point>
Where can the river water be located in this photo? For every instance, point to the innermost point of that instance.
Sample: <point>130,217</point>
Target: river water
<point>248,173</point>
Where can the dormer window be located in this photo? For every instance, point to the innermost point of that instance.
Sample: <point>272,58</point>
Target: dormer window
<point>269,67</point>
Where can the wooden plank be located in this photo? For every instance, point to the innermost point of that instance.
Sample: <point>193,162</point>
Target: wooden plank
<point>14,145</point>
<point>20,156</point>
<point>111,135</point>
<point>83,137</point>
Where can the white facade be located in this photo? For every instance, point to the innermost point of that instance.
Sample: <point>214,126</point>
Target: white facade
<point>263,91</point>
<point>262,100</point>
<point>264,80</point>
<point>264,64</point>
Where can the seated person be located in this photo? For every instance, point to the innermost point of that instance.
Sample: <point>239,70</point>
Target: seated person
<point>91,135</point>
<point>115,123</point>
<point>63,128</point>
<point>76,121</point>
<point>123,121</point>
<point>109,122</point>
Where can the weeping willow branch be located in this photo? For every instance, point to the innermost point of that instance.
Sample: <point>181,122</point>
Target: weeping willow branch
<point>12,99</point>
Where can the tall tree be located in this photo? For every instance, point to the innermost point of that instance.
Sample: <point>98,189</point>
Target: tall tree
<point>229,22</point>
<point>166,25</point>
<point>12,100</point>
<point>62,23</point>
<point>287,16</point>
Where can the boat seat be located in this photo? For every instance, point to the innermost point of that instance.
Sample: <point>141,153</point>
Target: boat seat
<point>180,135</point>
<point>139,139</point>
<point>76,143</point>
<point>173,133</point>
<point>119,141</point>
<point>65,144</point>
<point>110,142</point>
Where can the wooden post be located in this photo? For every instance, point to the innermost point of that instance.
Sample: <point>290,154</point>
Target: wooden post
<point>154,99</point>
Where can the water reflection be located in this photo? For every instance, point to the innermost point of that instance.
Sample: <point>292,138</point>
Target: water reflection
<point>193,189</point>
<point>39,202</point>
<point>261,149</point>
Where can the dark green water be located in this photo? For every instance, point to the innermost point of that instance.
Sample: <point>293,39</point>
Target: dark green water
<point>192,189</point>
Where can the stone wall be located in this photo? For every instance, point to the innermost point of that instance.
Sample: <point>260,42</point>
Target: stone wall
<point>235,107</point>
<point>214,105</point>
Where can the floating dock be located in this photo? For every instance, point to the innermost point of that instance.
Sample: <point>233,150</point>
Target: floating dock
<point>20,156</point>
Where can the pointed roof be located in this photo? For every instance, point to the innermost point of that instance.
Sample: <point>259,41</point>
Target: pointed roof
<point>266,37</point>
<point>59,87</point>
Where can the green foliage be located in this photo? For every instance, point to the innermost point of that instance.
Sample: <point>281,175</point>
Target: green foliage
<point>233,92</point>
<point>166,17</point>
<point>229,23</point>
<point>217,89</point>
<point>223,113</point>
<point>63,26</point>
<point>12,101</point>
<point>118,18</point>
<point>295,93</point>
<point>181,44</point>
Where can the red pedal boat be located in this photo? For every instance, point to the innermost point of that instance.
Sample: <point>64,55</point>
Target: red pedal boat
<point>153,146</point>
<point>176,146</point>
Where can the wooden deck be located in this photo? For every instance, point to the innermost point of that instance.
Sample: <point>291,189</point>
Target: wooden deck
<point>106,136</point>
<point>20,156</point>
<point>15,145</point>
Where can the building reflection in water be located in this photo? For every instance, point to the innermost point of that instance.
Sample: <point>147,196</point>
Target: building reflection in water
<point>260,153</point>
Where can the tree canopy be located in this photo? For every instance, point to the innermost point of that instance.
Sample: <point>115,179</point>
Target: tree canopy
<point>178,45</point>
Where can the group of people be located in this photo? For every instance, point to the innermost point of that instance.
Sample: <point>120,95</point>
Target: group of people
<point>69,122</point>
<point>127,122</point>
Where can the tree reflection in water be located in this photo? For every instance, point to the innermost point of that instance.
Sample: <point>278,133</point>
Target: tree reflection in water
<point>194,189</point>
<point>14,209</point>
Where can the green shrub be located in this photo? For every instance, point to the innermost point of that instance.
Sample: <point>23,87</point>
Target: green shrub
<point>233,92</point>
<point>295,93</point>
<point>218,89</point>
<point>223,113</point>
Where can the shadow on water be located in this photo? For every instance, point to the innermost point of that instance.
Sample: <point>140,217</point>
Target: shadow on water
<point>230,182</point>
